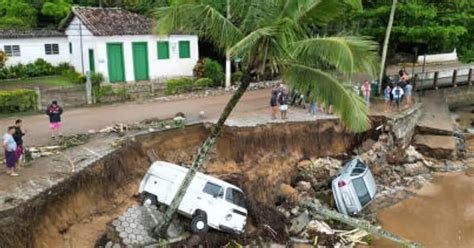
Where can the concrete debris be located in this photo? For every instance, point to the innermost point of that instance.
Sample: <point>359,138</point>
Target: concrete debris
<point>299,223</point>
<point>417,168</point>
<point>412,155</point>
<point>135,226</point>
<point>319,227</point>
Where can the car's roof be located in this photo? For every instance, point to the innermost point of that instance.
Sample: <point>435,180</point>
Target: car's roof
<point>155,170</point>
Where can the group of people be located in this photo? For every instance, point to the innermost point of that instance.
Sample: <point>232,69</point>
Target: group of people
<point>13,139</point>
<point>279,100</point>
<point>394,95</point>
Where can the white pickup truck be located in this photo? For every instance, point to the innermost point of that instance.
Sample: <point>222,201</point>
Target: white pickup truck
<point>209,202</point>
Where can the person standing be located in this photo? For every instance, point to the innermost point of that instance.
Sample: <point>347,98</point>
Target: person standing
<point>54,112</point>
<point>387,98</point>
<point>366,89</point>
<point>18,137</point>
<point>283,100</point>
<point>274,103</point>
<point>312,108</point>
<point>408,93</point>
<point>397,93</point>
<point>9,145</point>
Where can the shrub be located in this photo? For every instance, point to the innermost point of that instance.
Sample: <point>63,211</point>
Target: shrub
<point>237,76</point>
<point>97,78</point>
<point>37,69</point>
<point>203,83</point>
<point>73,76</point>
<point>178,85</point>
<point>17,101</point>
<point>198,70</point>
<point>214,71</point>
<point>62,67</point>
<point>3,59</point>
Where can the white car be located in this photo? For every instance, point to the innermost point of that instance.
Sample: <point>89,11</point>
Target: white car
<point>354,188</point>
<point>209,202</point>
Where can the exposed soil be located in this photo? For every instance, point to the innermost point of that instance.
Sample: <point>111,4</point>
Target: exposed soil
<point>74,213</point>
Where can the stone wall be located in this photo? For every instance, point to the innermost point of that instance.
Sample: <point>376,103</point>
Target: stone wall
<point>459,97</point>
<point>403,125</point>
<point>66,96</point>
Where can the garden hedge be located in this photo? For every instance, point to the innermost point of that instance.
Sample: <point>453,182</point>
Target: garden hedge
<point>178,85</point>
<point>14,101</point>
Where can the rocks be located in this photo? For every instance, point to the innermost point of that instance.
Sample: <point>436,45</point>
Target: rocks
<point>412,155</point>
<point>414,169</point>
<point>289,193</point>
<point>436,146</point>
<point>299,223</point>
<point>319,171</point>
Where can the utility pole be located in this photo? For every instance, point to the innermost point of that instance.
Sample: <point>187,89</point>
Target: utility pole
<point>227,56</point>
<point>385,44</point>
<point>82,52</point>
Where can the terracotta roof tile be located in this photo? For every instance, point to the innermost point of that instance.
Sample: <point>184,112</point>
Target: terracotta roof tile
<point>33,33</point>
<point>113,21</point>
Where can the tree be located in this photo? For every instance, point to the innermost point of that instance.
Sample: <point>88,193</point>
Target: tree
<point>386,41</point>
<point>56,8</point>
<point>439,25</point>
<point>16,14</point>
<point>276,35</point>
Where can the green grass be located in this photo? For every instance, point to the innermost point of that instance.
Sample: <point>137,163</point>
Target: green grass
<point>51,81</point>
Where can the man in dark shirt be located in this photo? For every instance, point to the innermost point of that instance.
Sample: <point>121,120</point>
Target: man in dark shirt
<point>18,137</point>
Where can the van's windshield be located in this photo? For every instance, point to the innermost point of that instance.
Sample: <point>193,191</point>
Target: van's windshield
<point>236,197</point>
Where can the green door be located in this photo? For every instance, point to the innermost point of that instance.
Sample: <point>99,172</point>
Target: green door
<point>140,60</point>
<point>91,61</point>
<point>115,62</point>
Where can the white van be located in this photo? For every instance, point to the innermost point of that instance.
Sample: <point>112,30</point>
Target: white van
<point>209,202</point>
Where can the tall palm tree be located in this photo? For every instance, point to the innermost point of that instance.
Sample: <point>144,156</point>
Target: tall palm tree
<point>277,36</point>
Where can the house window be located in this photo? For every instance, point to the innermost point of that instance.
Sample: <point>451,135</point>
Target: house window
<point>51,49</point>
<point>70,48</point>
<point>184,50</point>
<point>163,50</point>
<point>12,50</point>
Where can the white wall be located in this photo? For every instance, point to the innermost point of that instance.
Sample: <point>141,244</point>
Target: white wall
<point>32,49</point>
<point>174,66</point>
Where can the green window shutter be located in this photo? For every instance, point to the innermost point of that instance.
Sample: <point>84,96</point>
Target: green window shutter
<point>184,50</point>
<point>70,48</point>
<point>163,50</point>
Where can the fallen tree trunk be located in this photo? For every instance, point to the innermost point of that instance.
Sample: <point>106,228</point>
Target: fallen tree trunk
<point>361,224</point>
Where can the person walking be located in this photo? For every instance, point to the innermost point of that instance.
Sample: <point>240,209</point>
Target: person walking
<point>366,89</point>
<point>54,112</point>
<point>9,145</point>
<point>283,100</point>
<point>18,137</point>
<point>408,94</point>
<point>397,93</point>
<point>274,103</point>
<point>387,98</point>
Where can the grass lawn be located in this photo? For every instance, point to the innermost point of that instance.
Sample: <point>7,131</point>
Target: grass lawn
<point>51,81</point>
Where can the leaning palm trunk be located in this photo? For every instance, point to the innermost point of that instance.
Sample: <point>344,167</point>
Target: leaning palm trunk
<point>385,43</point>
<point>361,224</point>
<point>160,231</point>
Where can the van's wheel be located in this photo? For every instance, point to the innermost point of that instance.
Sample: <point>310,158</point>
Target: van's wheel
<point>149,200</point>
<point>199,223</point>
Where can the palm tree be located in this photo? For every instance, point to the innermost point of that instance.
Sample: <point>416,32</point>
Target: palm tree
<point>277,36</point>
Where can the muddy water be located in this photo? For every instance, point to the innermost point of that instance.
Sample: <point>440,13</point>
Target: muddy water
<point>441,215</point>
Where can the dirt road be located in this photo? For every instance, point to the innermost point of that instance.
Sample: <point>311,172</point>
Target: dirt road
<point>81,120</point>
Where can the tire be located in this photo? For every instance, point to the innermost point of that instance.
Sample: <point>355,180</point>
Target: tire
<point>199,223</point>
<point>149,200</point>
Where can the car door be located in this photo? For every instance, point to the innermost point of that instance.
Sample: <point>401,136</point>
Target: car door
<point>235,212</point>
<point>210,200</point>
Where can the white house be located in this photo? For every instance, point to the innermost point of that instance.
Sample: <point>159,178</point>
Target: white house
<point>26,46</point>
<point>112,41</point>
